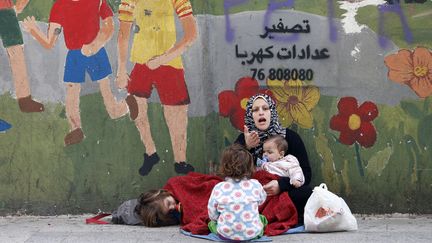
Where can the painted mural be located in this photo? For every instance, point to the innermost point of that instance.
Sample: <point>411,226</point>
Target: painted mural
<point>159,89</point>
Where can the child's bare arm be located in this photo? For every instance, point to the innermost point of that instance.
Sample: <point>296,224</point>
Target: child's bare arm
<point>48,41</point>
<point>20,5</point>
<point>190,34</point>
<point>105,33</point>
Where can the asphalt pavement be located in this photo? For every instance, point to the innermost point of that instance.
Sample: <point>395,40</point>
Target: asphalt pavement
<point>72,228</point>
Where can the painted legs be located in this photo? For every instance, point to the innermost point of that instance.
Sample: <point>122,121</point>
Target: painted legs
<point>114,108</point>
<point>20,78</point>
<point>143,125</point>
<point>76,134</point>
<point>177,121</point>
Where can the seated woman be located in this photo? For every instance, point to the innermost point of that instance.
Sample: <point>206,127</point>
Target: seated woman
<point>262,122</point>
<point>160,207</point>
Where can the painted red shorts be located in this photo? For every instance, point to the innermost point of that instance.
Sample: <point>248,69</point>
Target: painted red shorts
<point>168,81</point>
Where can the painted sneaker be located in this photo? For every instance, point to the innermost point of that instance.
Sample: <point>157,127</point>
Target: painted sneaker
<point>133,107</point>
<point>183,167</point>
<point>149,162</point>
<point>74,137</point>
<point>27,104</point>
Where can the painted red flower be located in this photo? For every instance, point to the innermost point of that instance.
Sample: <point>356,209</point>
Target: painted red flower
<point>354,122</point>
<point>232,104</point>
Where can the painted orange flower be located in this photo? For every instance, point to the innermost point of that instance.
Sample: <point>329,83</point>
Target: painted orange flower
<point>232,104</point>
<point>413,68</point>
<point>294,101</point>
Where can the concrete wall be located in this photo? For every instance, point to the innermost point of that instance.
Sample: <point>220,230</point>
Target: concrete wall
<point>322,55</point>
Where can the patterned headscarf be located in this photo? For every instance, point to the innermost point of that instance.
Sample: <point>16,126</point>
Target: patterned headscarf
<point>274,128</point>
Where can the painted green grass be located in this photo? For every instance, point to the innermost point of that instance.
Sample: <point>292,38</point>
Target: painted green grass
<point>418,17</point>
<point>40,175</point>
<point>396,167</point>
<point>100,172</point>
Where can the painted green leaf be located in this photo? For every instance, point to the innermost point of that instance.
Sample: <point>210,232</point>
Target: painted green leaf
<point>378,162</point>
<point>411,109</point>
<point>327,167</point>
<point>425,131</point>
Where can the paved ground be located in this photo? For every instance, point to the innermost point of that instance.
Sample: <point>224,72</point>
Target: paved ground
<point>71,228</point>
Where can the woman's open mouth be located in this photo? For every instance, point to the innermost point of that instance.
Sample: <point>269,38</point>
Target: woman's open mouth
<point>262,120</point>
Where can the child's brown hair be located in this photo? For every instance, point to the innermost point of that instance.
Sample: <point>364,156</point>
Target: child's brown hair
<point>151,209</point>
<point>281,143</point>
<point>236,162</point>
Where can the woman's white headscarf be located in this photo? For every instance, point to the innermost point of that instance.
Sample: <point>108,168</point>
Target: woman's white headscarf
<point>274,128</point>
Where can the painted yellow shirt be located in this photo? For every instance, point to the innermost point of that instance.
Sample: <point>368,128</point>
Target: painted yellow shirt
<point>155,30</point>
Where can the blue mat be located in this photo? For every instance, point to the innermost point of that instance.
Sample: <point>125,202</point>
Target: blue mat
<point>214,237</point>
<point>296,230</point>
<point>4,125</point>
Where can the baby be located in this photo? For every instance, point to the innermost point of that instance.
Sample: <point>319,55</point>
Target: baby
<point>275,161</point>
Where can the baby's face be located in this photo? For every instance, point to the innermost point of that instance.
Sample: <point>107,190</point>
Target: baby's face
<point>271,151</point>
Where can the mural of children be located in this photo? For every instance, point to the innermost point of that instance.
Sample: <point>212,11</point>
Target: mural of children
<point>85,39</point>
<point>11,36</point>
<point>277,163</point>
<point>157,62</point>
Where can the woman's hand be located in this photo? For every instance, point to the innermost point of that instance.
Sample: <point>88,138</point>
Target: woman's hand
<point>272,188</point>
<point>251,138</point>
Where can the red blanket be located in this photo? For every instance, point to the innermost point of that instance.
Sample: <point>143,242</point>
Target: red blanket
<point>194,189</point>
<point>279,210</point>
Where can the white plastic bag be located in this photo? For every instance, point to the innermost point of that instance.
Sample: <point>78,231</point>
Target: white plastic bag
<point>326,212</point>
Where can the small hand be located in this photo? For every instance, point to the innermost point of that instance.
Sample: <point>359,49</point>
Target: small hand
<point>154,62</point>
<point>122,80</point>
<point>251,138</point>
<point>88,50</point>
<point>29,24</point>
<point>296,184</point>
<point>272,188</point>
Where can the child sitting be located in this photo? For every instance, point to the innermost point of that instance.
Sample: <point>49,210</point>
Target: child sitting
<point>275,161</point>
<point>233,204</point>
